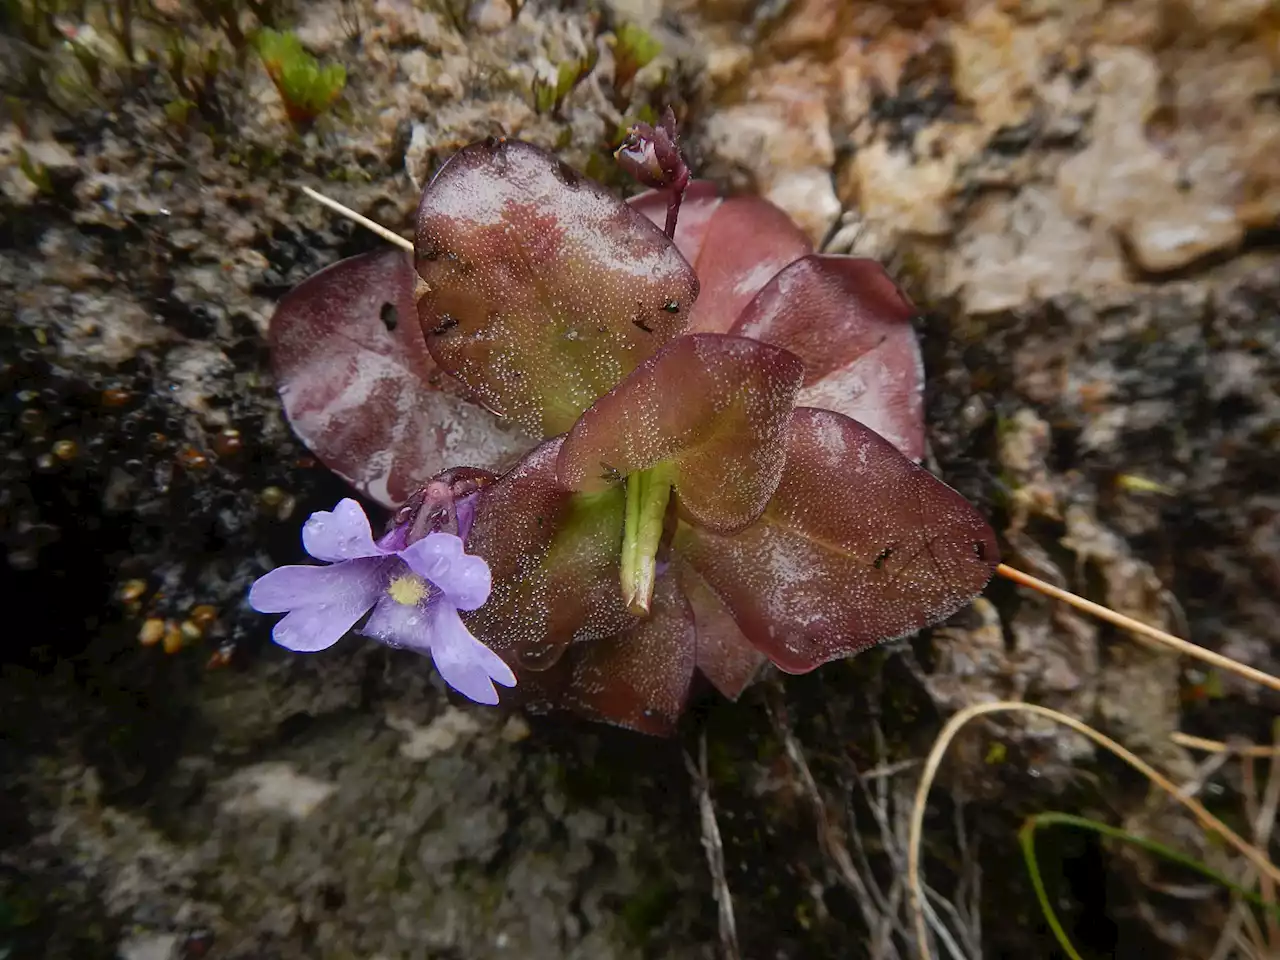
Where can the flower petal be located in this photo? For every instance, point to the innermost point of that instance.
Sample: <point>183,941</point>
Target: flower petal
<point>463,578</point>
<point>400,625</point>
<point>334,599</point>
<point>466,513</point>
<point>342,533</point>
<point>311,629</point>
<point>464,662</point>
<point>287,588</point>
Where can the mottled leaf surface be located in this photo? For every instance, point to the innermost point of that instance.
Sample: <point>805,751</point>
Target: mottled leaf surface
<point>736,245</point>
<point>542,289</point>
<point>851,325</point>
<point>360,389</point>
<point>859,545</point>
<point>724,655</point>
<point>554,557</point>
<point>715,406</point>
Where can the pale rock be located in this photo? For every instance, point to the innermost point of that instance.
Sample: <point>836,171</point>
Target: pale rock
<point>106,328</point>
<point>275,787</point>
<point>737,10</point>
<point>490,16</point>
<point>1227,14</point>
<point>1228,135</point>
<point>42,156</point>
<point>322,28</point>
<point>1182,233</point>
<point>865,67</point>
<point>1123,181</point>
<point>726,62</point>
<point>909,194</point>
<point>642,13</point>
<point>194,371</point>
<point>782,137</point>
<point>1135,23</point>
<point>149,946</point>
<point>997,64</point>
<point>402,22</point>
<point>50,155</point>
<point>807,24</point>
<point>808,196</point>
<point>439,736</point>
<point>783,126</point>
<point>515,730</point>
<point>1028,249</point>
<point>438,76</point>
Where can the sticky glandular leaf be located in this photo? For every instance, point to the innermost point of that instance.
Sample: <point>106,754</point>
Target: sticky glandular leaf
<point>859,545</point>
<point>724,655</point>
<point>736,245</point>
<point>360,389</point>
<point>542,289</point>
<point>554,558</point>
<point>851,325</point>
<point>638,679</point>
<point>715,406</point>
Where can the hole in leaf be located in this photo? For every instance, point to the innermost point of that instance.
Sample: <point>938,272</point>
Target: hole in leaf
<point>568,175</point>
<point>390,316</point>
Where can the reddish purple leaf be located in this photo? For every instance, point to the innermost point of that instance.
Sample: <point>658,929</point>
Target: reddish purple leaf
<point>851,325</point>
<point>639,679</point>
<point>542,289</point>
<point>360,389</point>
<point>735,244</point>
<point>724,655</point>
<point>715,406</point>
<point>554,557</point>
<point>859,545</point>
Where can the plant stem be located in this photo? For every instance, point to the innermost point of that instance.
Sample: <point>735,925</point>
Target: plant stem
<point>675,196</point>
<point>647,494</point>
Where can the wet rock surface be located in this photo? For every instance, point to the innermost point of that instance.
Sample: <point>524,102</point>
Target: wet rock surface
<point>1082,196</point>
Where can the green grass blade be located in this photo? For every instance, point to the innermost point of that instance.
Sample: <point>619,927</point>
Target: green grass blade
<point>1026,839</point>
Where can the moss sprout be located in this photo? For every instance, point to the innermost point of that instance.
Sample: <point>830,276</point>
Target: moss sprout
<point>307,88</point>
<point>36,172</point>
<point>633,50</point>
<point>549,96</point>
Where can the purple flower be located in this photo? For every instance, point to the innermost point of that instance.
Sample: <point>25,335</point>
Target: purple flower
<point>415,591</point>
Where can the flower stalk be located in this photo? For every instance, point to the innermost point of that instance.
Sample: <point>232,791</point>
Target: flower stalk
<point>648,492</point>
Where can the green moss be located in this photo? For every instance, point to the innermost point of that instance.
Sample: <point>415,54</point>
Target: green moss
<point>193,69</point>
<point>633,50</point>
<point>37,173</point>
<point>647,908</point>
<point>549,96</point>
<point>307,88</point>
